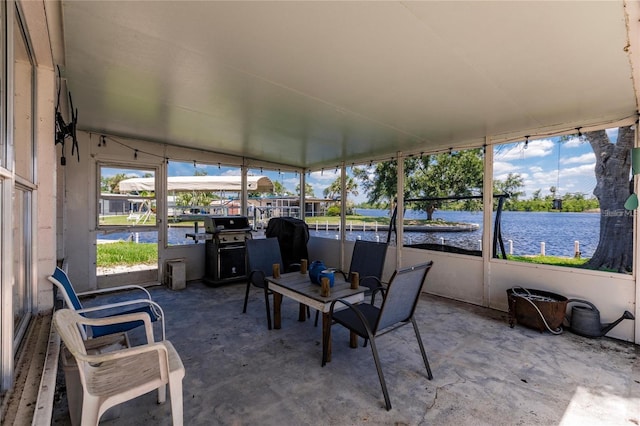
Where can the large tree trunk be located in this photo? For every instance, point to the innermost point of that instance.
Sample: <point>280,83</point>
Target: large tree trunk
<point>613,167</point>
<point>430,210</point>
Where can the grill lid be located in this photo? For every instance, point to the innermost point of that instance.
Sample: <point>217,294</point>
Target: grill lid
<point>216,224</point>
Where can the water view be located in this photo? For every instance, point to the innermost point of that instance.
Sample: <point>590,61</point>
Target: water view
<point>524,231</point>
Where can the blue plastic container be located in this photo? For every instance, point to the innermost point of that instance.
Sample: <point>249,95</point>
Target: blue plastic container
<point>328,273</point>
<point>315,269</point>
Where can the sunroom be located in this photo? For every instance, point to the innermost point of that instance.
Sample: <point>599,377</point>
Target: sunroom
<point>306,94</point>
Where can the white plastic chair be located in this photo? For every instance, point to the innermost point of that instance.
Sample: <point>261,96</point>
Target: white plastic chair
<point>112,378</point>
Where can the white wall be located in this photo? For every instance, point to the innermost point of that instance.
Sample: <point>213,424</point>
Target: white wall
<point>46,193</point>
<point>452,275</point>
<point>611,293</point>
<point>44,128</point>
<point>464,278</point>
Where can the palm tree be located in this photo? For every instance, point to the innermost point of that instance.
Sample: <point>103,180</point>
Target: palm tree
<point>110,184</point>
<point>333,190</point>
<point>308,190</point>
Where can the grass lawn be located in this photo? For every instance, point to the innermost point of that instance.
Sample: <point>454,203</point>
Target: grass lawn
<point>551,260</point>
<point>126,253</point>
<point>124,220</point>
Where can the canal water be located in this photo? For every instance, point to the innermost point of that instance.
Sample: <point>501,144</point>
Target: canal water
<point>524,231</point>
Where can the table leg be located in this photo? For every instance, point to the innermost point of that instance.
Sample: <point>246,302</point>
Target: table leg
<point>353,340</point>
<point>326,335</point>
<point>277,316</point>
<point>302,313</point>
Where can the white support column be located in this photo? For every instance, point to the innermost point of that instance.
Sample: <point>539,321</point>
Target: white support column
<point>303,195</point>
<point>244,193</point>
<point>343,212</point>
<point>487,208</point>
<point>636,248</point>
<point>400,207</point>
<point>6,209</point>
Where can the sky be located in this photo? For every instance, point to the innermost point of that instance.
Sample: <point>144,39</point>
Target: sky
<point>567,165</point>
<point>542,163</point>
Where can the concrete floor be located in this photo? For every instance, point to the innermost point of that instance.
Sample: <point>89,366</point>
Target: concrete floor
<point>485,373</point>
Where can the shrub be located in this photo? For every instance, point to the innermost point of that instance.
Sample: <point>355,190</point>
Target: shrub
<point>333,211</point>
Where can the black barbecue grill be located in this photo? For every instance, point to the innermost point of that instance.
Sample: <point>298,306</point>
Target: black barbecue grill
<point>225,252</point>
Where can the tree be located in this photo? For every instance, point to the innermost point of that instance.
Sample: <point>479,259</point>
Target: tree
<point>379,182</point>
<point>278,188</point>
<point>194,199</point>
<point>613,187</point>
<point>431,176</point>
<point>536,194</point>
<point>511,186</point>
<point>308,190</point>
<point>110,184</point>
<point>455,174</point>
<point>334,189</point>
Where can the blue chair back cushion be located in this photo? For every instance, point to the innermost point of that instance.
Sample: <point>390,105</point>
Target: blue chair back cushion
<point>63,279</point>
<point>102,330</point>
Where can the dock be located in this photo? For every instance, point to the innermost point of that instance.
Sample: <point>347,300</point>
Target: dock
<point>376,227</point>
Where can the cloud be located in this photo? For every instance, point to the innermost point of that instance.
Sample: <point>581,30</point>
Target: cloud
<point>544,178</point>
<point>535,169</point>
<point>517,151</point>
<point>500,167</point>
<point>232,172</point>
<point>327,175</point>
<point>573,142</point>
<point>584,170</point>
<point>291,180</point>
<point>504,176</point>
<point>572,179</point>
<point>589,157</point>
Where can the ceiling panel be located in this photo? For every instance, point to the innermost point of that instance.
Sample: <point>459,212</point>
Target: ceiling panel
<point>311,84</point>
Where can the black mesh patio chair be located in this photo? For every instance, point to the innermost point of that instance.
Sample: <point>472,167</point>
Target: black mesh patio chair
<point>261,255</point>
<point>370,322</point>
<point>367,260</point>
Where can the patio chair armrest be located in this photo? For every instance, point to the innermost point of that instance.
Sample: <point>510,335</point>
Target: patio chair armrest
<point>156,308</point>
<point>368,277</point>
<point>159,347</point>
<point>378,282</point>
<point>261,275</point>
<point>353,307</point>
<point>294,267</point>
<point>344,274</point>
<point>374,284</point>
<point>375,291</point>
<point>333,304</point>
<point>124,318</point>
<point>115,289</point>
<point>97,344</point>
